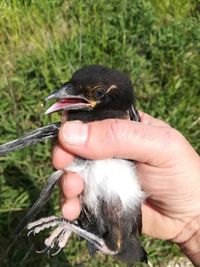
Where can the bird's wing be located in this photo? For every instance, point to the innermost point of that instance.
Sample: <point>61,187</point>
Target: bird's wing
<point>134,114</point>
<point>33,137</point>
<point>41,201</point>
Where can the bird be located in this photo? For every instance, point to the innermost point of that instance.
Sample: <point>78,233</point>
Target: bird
<point>111,219</point>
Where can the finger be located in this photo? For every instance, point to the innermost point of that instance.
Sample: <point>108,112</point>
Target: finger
<point>60,157</point>
<point>71,185</point>
<point>118,138</point>
<point>71,208</point>
<point>147,119</point>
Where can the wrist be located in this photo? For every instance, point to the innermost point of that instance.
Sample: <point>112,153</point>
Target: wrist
<point>189,240</point>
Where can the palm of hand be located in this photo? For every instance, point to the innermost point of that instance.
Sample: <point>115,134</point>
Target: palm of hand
<point>173,192</point>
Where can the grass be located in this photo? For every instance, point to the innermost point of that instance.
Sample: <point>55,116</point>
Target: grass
<point>41,44</point>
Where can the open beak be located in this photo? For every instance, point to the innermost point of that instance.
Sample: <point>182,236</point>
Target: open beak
<point>68,100</point>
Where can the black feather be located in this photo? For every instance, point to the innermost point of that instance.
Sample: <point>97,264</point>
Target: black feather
<point>31,138</point>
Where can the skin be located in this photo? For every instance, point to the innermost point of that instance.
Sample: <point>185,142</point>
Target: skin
<point>168,167</point>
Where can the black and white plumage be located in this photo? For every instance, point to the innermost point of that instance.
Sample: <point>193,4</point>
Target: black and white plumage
<point>111,202</point>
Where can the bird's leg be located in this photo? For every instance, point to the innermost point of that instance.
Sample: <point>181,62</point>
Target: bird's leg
<point>57,239</point>
<point>63,231</point>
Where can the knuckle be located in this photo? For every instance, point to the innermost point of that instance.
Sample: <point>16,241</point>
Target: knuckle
<point>114,129</point>
<point>177,140</point>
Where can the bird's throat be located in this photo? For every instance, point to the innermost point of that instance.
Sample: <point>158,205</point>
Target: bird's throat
<point>95,115</point>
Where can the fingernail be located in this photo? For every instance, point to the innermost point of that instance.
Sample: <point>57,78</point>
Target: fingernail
<point>75,133</point>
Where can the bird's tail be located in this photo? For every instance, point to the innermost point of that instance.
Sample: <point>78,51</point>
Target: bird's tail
<point>33,137</point>
<point>133,252</point>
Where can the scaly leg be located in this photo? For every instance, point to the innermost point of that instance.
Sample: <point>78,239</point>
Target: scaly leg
<point>61,234</point>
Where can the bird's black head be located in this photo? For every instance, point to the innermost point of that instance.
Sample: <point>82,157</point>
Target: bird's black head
<point>95,88</point>
<point>106,88</point>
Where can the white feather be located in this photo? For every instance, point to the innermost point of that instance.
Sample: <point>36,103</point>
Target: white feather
<point>106,179</point>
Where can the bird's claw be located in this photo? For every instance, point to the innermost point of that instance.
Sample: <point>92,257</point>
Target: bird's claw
<point>56,241</point>
<point>45,250</point>
<point>59,237</point>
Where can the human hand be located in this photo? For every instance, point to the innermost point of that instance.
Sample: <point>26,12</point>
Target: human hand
<point>168,167</point>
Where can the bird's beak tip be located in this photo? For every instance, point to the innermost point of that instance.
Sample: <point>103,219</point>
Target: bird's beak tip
<point>47,98</point>
<point>51,96</point>
<point>46,112</point>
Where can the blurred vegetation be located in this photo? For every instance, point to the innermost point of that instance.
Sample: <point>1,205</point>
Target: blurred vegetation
<point>41,44</point>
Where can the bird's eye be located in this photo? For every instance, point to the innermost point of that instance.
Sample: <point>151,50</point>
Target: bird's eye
<point>100,93</point>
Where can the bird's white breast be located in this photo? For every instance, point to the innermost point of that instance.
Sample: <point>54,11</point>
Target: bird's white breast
<point>106,179</point>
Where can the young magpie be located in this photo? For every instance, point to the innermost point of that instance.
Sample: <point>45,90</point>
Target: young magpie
<point>110,220</point>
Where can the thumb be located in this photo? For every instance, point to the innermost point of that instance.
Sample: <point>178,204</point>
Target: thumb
<point>118,138</point>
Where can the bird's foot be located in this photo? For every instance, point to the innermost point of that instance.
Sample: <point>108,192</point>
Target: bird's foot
<point>59,237</point>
